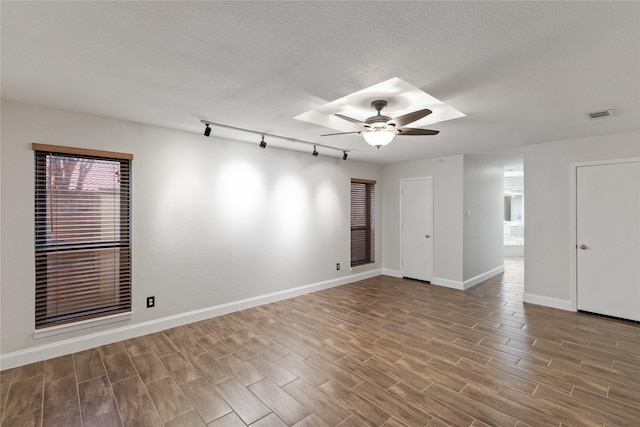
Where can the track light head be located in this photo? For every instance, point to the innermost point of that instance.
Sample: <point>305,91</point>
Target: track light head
<point>207,130</point>
<point>344,155</point>
<point>315,152</point>
<point>263,144</point>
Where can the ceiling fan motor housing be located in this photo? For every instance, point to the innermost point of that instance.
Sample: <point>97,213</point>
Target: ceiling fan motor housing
<point>378,121</point>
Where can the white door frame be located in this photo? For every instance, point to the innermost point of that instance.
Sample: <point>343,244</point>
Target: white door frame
<point>430,180</point>
<point>573,220</point>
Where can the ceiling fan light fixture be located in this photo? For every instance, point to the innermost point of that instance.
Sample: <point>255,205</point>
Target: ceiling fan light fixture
<point>379,138</point>
<point>378,125</point>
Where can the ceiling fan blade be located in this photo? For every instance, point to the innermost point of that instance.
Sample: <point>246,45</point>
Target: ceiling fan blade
<point>415,131</point>
<point>349,119</point>
<point>410,117</point>
<point>339,133</point>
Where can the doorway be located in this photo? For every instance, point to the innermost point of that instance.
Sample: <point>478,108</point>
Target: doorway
<point>513,219</point>
<point>417,228</point>
<point>608,238</point>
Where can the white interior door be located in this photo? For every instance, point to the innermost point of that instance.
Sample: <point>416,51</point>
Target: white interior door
<point>417,224</point>
<point>608,239</point>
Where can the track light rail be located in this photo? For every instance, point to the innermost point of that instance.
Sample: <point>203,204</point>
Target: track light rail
<point>270,135</point>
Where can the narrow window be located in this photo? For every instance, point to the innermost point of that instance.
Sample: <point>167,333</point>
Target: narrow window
<point>82,234</point>
<point>362,222</point>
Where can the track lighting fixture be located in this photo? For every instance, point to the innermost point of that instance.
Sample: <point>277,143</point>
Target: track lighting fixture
<point>263,143</point>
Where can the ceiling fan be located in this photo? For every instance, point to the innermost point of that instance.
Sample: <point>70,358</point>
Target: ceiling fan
<point>379,130</point>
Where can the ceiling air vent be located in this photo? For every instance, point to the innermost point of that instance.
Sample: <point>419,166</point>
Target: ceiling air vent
<point>603,114</point>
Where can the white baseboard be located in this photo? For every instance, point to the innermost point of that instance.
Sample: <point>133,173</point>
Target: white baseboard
<point>392,273</point>
<point>456,284</point>
<point>548,302</point>
<point>68,346</point>
<point>447,283</point>
<point>482,277</point>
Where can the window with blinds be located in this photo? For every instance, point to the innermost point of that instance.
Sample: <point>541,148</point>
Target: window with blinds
<point>82,234</point>
<point>362,222</point>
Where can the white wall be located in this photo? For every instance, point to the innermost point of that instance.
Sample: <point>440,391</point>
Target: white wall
<point>483,204</point>
<point>514,182</point>
<point>217,225</point>
<point>447,176</point>
<point>465,251</point>
<point>547,206</point>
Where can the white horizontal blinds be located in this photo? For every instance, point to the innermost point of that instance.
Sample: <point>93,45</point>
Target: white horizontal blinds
<point>362,221</point>
<point>83,234</point>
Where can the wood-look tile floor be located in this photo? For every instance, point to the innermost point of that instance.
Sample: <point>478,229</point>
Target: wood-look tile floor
<point>379,352</point>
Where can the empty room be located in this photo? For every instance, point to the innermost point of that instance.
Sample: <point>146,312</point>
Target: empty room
<point>319,213</point>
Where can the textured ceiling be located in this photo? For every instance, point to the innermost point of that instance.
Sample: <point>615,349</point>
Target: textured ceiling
<point>522,72</point>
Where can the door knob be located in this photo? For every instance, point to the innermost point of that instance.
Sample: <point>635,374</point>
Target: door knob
<point>427,236</point>
<point>583,246</point>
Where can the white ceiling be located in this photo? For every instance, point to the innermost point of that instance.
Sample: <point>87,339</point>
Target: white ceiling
<point>522,72</point>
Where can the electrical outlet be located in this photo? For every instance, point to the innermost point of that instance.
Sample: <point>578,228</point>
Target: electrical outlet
<point>338,266</point>
<point>151,302</point>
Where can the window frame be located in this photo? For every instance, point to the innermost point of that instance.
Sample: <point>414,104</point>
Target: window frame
<point>369,224</point>
<point>45,247</point>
